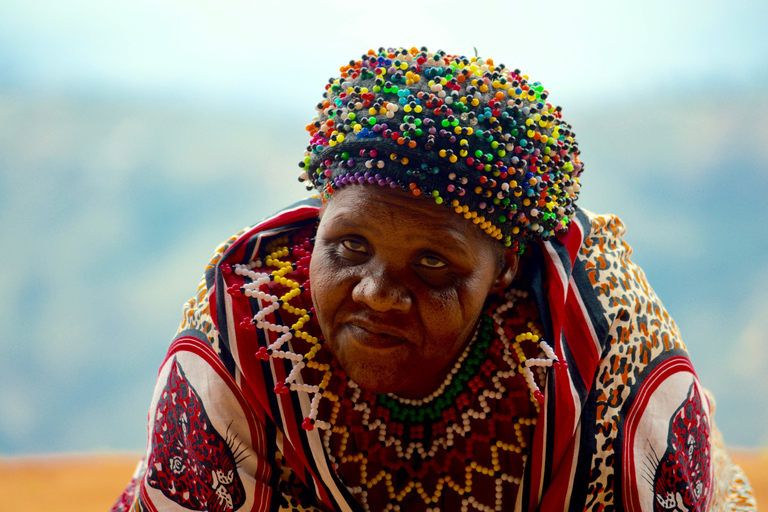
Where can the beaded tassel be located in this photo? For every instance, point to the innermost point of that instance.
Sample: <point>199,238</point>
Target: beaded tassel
<point>255,288</point>
<point>526,363</point>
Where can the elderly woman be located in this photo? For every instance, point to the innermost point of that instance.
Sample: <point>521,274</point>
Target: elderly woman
<point>442,329</point>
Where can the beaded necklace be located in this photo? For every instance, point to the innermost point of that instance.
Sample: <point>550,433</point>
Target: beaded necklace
<point>466,440</point>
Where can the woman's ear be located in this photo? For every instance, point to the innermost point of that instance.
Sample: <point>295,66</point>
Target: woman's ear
<point>510,262</point>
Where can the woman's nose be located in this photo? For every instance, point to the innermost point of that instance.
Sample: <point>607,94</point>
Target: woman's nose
<point>381,291</point>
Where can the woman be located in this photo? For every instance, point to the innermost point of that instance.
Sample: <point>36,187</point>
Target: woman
<point>442,330</point>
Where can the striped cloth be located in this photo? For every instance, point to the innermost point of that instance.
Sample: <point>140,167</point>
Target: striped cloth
<point>626,427</point>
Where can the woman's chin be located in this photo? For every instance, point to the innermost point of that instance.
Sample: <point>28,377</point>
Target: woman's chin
<point>375,378</point>
<point>378,378</point>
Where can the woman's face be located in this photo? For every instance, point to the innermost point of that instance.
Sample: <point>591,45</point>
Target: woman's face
<point>398,285</point>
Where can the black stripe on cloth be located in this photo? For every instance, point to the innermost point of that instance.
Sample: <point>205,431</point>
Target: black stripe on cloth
<point>575,376</point>
<point>565,261</point>
<point>586,224</point>
<point>534,275</point>
<point>595,311</point>
<point>225,353</point>
<point>587,447</point>
<point>193,333</point>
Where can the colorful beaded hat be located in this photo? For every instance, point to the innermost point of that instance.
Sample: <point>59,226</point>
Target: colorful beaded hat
<point>473,136</point>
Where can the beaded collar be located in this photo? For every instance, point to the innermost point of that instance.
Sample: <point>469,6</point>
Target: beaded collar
<point>463,444</point>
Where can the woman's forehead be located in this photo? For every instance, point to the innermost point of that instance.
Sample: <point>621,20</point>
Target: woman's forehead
<point>388,211</point>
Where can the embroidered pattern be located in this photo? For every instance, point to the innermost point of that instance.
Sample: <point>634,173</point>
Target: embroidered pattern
<point>191,463</point>
<point>681,480</point>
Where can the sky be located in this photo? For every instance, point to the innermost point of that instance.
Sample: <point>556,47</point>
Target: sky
<point>136,136</point>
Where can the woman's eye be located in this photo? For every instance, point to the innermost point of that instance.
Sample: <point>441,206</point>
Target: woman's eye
<point>354,246</point>
<point>431,262</point>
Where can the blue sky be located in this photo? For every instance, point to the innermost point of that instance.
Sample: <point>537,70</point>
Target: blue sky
<point>135,136</point>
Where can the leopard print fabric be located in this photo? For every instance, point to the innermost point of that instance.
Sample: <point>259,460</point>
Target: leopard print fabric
<point>640,330</point>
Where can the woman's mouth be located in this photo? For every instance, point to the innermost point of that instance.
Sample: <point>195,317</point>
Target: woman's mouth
<point>374,335</point>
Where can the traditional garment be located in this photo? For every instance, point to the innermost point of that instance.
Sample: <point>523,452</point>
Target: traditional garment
<point>623,423</point>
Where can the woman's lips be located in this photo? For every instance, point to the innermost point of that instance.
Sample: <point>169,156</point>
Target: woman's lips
<point>371,334</point>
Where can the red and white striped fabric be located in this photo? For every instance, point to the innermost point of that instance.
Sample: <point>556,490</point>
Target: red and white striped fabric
<point>626,427</point>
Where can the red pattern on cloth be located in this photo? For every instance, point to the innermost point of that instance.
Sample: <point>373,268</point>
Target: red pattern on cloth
<point>190,461</point>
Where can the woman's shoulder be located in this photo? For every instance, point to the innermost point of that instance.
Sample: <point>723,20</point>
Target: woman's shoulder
<point>602,232</point>
<point>292,217</point>
<point>244,247</point>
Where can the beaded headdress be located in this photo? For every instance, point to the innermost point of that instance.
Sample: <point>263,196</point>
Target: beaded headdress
<point>473,136</point>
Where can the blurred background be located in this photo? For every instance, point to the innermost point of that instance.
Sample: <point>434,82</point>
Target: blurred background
<point>135,136</point>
